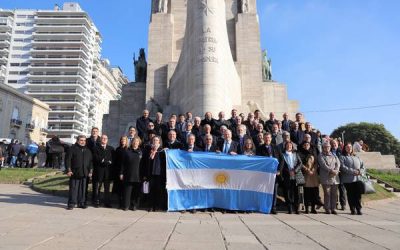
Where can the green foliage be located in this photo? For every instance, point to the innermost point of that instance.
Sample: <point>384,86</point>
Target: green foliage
<point>374,135</point>
<point>389,177</point>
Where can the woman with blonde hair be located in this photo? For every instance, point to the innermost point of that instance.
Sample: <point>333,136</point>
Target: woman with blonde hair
<point>130,174</point>
<point>119,157</point>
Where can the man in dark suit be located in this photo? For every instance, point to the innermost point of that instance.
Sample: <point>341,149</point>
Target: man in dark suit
<point>170,126</point>
<point>191,144</point>
<point>232,120</point>
<point>270,123</point>
<point>228,146</point>
<point>103,159</point>
<point>269,150</point>
<point>286,123</point>
<point>208,119</point>
<point>296,135</point>
<point>141,123</point>
<point>314,137</point>
<point>241,137</point>
<point>210,145</point>
<point>159,124</point>
<point>79,165</point>
<point>196,129</point>
<point>172,142</point>
<point>257,117</point>
<point>220,122</point>
<point>94,139</point>
<point>201,141</point>
<point>181,124</point>
<point>342,190</point>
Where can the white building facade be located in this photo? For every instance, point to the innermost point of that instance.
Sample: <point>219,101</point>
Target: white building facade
<point>54,56</point>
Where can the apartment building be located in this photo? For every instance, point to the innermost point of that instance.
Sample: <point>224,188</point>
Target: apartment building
<point>55,56</point>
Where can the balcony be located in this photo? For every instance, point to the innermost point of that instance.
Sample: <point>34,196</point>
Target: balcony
<point>62,36</point>
<point>65,128</point>
<point>57,51</point>
<point>4,43</point>
<point>61,44</point>
<point>4,51</point>
<point>5,35</point>
<point>57,76</point>
<point>15,123</point>
<point>61,28</point>
<point>6,23</point>
<point>82,69</point>
<point>30,126</point>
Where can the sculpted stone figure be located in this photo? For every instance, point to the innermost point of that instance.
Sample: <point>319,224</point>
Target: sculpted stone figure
<point>162,6</point>
<point>253,106</point>
<point>266,67</point>
<point>140,67</point>
<point>244,6</point>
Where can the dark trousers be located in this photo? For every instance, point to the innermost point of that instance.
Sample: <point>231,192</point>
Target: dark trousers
<point>353,195</point>
<point>342,195</point>
<point>291,192</point>
<point>311,196</point>
<point>274,196</point>
<point>56,160</point>
<point>77,189</point>
<point>32,160</point>
<point>131,194</point>
<point>96,191</point>
<point>158,192</point>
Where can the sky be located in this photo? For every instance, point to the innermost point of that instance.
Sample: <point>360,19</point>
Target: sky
<point>332,54</point>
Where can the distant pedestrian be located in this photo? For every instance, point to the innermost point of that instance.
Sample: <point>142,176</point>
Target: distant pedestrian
<point>32,150</point>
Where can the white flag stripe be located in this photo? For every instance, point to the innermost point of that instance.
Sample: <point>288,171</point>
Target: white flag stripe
<point>186,179</point>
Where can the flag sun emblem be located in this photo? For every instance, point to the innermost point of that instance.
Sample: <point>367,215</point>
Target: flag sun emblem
<point>221,178</point>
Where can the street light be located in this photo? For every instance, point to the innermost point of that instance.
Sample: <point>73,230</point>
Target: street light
<point>344,131</point>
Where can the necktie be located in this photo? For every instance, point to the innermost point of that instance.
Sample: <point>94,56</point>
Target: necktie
<point>226,148</point>
<point>207,148</point>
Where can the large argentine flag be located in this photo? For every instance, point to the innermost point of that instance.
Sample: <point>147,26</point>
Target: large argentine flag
<point>200,180</point>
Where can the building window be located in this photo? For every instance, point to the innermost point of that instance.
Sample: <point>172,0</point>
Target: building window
<point>12,81</point>
<point>15,113</point>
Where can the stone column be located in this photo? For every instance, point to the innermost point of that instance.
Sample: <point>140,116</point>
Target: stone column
<point>205,78</point>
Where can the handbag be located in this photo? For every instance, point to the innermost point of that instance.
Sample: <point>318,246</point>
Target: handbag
<point>146,187</point>
<point>367,187</point>
<point>300,180</point>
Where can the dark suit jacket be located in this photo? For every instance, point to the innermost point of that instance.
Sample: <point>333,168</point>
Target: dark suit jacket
<point>141,125</point>
<point>175,145</point>
<point>233,148</point>
<point>131,165</point>
<point>213,148</point>
<point>195,148</point>
<point>103,160</point>
<point>240,147</point>
<point>297,136</point>
<point>275,153</point>
<point>91,143</point>
<point>79,161</point>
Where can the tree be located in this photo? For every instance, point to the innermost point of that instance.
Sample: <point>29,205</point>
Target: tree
<point>374,135</point>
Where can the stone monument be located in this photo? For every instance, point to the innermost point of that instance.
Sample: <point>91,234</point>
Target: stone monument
<point>203,55</point>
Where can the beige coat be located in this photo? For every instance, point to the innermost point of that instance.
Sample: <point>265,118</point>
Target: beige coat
<point>310,173</point>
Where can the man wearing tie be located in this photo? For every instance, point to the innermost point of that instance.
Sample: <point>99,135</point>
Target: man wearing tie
<point>228,146</point>
<point>209,144</point>
<point>286,123</point>
<point>191,144</point>
<point>103,158</point>
<point>269,150</point>
<point>131,134</point>
<point>242,137</point>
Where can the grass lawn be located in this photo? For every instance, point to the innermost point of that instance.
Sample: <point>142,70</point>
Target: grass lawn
<point>57,185</point>
<point>391,178</point>
<point>19,175</point>
<point>380,194</point>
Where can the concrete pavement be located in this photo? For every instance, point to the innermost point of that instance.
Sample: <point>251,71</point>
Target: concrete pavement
<point>30,220</point>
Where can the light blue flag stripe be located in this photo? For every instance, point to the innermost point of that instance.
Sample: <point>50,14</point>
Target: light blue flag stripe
<point>178,159</point>
<point>219,198</point>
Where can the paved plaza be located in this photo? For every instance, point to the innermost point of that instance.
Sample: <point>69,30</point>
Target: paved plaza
<point>30,220</point>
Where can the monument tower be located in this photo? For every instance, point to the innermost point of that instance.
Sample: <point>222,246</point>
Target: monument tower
<point>203,55</point>
<point>206,55</point>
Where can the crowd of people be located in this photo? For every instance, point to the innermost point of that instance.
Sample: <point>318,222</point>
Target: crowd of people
<point>41,155</point>
<point>137,167</point>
